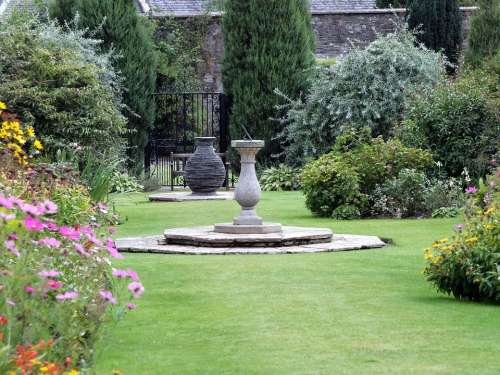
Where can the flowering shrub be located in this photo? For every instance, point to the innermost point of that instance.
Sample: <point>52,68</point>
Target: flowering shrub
<point>280,178</point>
<point>468,266</point>
<point>57,286</point>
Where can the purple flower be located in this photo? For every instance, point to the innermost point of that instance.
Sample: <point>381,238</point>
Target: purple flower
<point>112,250</point>
<point>29,289</point>
<point>136,288</point>
<point>471,190</point>
<point>81,250</point>
<point>50,242</point>
<point>459,227</point>
<point>51,273</point>
<point>121,274</point>
<point>67,296</point>
<point>30,209</point>
<point>5,202</point>
<point>103,208</point>
<point>107,296</point>
<point>131,306</point>
<point>70,233</point>
<point>132,274</point>
<point>53,284</point>
<point>53,227</point>
<point>11,246</point>
<point>32,224</point>
<point>7,217</point>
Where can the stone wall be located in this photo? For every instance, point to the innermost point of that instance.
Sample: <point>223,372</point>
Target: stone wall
<point>336,32</point>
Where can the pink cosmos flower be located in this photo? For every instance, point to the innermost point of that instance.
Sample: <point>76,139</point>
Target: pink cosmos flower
<point>80,249</point>
<point>5,202</point>
<point>107,296</point>
<point>471,190</point>
<point>53,284</point>
<point>459,227</point>
<point>132,274</point>
<point>121,274</point>
<point>7,217</point>
<point>29,289</point>
<point>51,273</point>
<point>50,242</point>
<point>30,209</point>
<point>53,227</point>
<point>131,306</point>
<point>67,296</point>
<point>49,207</point>
<point>112,250</point>
<point>70,233</point>
<point>136,288</point>
<point>87,230</point>
<point>103,208</point>
<point>11,246</point>
<point>111,230</point>
<point>32,224</point>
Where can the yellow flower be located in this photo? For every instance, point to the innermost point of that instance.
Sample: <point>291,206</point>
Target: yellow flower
<point>73,372</point>
<point>428,254</point>
<point>471,241</point>
<point>3,105</point>
<point>31,132</point>
<point>489,211</point>
<point>38,145</point>
<point>444,240</point>
<point>10,372</point>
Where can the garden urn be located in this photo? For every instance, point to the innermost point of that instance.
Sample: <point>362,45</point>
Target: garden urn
<point>205,172</point>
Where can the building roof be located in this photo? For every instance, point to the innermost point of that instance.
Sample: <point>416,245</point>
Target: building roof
<point>8,6</point>
<point>191,7</point>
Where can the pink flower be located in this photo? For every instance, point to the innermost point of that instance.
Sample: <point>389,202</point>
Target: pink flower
<point>70,233</point>
<point>136,288</point>
<point>51,273</point>
<point>29,289</point>
<point>50,242</point>
<point>132,274</point>
<point>111,230</point>
<point>30,209</point>
<point>107,296</point>
<point>131,306</point>
<point>53,227</point>
<point>53,284</point>
<point>459,227</point>
<point>471,190</point>
<point>49,207</point>
<point>121,274</point>
<point>67,296</point>
<point>11,246</point>
<point>7,217</point>
<point>112,250</point>
<point>80,249</point>
<point>7,203</point>
<point>103,208</point>
<point>32,224</point>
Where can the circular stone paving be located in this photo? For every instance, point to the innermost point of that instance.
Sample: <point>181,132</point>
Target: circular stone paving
<point>184,196</point>
<point>337,242</point>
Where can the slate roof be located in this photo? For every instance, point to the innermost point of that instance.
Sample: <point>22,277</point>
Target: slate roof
<point>185,7</point>
<point>8,6</point>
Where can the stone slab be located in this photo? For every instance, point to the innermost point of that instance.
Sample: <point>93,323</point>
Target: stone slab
<point>190,197</point>
<point>339,242</point>
<point>248,229</point>
<point>205,236</point>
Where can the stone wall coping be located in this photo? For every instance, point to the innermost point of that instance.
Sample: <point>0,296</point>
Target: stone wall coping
<point>314,13</point>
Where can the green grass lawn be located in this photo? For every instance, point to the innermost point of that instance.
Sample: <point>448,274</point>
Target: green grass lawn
<point>368,312</point>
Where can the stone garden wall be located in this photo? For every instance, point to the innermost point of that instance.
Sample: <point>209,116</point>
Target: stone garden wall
<point>336,32</point>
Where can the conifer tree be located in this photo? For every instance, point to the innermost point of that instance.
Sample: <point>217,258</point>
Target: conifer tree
<point>268,45</point>
<point>440,25</point>
<point>118,25</point>
<point>484,37</point>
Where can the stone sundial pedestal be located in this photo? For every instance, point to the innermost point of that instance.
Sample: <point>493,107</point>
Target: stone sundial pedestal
<point>248,194</point>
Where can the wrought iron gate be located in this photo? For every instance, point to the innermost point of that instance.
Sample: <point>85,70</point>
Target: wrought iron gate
<point>180,118</point>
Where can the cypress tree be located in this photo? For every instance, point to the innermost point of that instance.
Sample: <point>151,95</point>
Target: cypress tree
<point>268,45</point>
<point>118,25</point>
<point>484,38</point>
<point>440,25</point>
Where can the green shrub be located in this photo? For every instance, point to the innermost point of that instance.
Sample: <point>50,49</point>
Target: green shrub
<point>468,266</point>
<point>124,183</point>
<point>366,88</point>
<point>280,178</point>
<point>332,188</point>
<point>459,122</point>
<point>56,80</point>
<point>445,212</point>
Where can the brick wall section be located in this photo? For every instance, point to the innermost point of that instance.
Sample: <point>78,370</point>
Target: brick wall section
<point>335,34</point>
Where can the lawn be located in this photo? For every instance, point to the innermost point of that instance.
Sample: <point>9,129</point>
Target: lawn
<point>368,312</point>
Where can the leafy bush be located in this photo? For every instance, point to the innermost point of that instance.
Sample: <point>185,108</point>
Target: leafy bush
<point>332,188</point>
<point>412,194</point>
<point>124,183</point>
<point>280,178</point>
<point>366,88</point>
<point>459,122</point>
<point>56,80</point>
<point>468,266</point>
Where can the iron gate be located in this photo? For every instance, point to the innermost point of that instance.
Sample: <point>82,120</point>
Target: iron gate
<point>180,118</point>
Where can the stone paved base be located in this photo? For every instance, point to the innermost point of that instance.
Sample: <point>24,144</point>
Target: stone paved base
<point>340,242</point>
<point>185,196</point>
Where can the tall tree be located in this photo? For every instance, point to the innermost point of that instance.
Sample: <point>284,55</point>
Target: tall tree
<point>484,38</point>
<point>118,25</point>
<point>440,25</point>
<point>268,45</point>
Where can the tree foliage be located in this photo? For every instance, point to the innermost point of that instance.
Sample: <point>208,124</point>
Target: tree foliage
<point>484,37</point>
<point>439,23</point>
<point>268,45</point>
<point>121,29</point>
